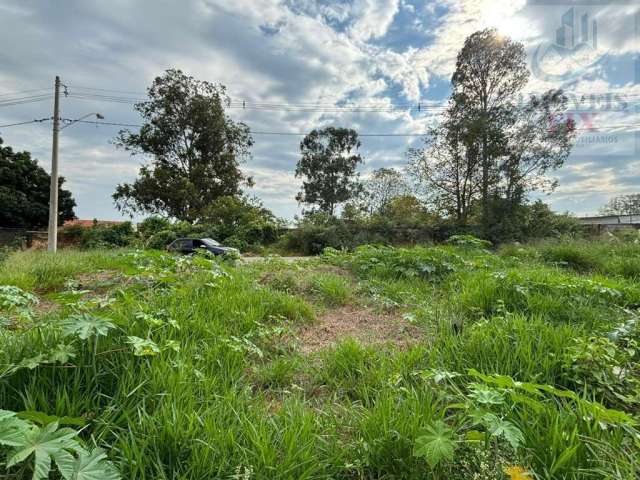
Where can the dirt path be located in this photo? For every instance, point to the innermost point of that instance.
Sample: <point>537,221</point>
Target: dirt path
<point>359,323</point>
<point>261,259</point>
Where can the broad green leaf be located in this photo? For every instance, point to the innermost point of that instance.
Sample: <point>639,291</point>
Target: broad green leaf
<point>498,427</point>
<point>436,444</point>
<point>86,326</point>
<point>5,414</point>
<point>143,347</point>
<point>486,396</point>
<point>93,466</point>
<point>62,353</point>
<point>44,444</point>
<point>12,429</point>
<point>32,362</point>
<point>474,436</point>
<point>523,399</point>
<point>65,463</point>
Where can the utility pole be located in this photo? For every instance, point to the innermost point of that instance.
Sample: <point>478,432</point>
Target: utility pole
<point>52,245</point>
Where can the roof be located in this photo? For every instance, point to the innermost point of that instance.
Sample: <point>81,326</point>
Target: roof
<point>90,223</point>
<point>611,220</point>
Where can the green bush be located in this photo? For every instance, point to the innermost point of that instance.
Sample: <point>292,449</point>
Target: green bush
<point>99,236</point>
<point>119,235</point>
<point>573,256</point>
<point>152,225</point>
<point>468,241</point>
<point>161,239</point>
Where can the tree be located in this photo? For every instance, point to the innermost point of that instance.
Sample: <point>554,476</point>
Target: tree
<point>195,149</point>
<point>243,218</point>
<point>24,192</point>
<point>447,168</point>
<point>622,205</point>
<point>491,150</point>
<point>382,187</point>
<point>328,168</point>
<point>539,141</point>
<point>407,210</point>
<point>490,71</point>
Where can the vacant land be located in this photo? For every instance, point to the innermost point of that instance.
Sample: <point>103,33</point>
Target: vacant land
<point>449,362</point>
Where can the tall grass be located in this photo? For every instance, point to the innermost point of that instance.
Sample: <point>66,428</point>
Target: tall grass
<point>227,396</point>
<point>43,270</point>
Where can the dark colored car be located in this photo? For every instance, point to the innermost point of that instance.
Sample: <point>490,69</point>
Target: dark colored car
<point>191,245</point>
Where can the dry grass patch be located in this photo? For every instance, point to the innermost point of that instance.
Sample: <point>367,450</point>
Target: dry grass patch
<point>98,280</point>
<point>362,324</point>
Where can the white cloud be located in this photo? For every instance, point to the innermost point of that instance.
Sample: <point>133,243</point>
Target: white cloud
<point>373,18</point>
<point>311,52</point>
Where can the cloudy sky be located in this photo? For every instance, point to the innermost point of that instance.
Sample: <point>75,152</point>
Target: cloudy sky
<point>365,64</point>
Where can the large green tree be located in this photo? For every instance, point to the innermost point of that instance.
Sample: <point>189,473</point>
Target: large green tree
<point>24,192</point>
<point>195,149</point>
<point>491,70</point>
<point>328,168</point>
<point>493,146</point>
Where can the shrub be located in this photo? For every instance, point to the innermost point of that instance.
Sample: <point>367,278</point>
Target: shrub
<point>282,281</point>
<point>97,236</point>
<point>152,225</point>
<point>395,263</point>
<point>468,241</point>
<point>161,239</point>
<point>236,242</point>
<point>573,256</point>
<point>627,267</point>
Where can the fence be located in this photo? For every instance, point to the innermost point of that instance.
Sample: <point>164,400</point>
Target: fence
<point>605,223</point>
<point>20,237</point>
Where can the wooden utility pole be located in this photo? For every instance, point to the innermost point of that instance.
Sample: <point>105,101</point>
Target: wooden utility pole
<point>53,194</point>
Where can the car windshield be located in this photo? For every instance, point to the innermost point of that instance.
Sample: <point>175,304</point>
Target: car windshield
<point>210,242</point>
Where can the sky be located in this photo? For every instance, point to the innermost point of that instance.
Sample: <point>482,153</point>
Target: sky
<point>364,64</point>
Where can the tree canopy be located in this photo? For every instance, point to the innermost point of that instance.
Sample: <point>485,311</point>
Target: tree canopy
<point>24,192</point>
<point>382,187</point>
<point>492,147</point>
<point>328,168</point>
<point>195,149</point>
<point>622,205</point>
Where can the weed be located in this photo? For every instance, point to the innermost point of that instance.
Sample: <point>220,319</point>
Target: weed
<point>185,367</point>
<point>334,290</point>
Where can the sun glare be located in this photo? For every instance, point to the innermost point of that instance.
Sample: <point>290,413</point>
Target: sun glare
<point>508,20</point>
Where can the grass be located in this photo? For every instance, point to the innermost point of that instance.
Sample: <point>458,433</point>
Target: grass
<point>334,290</point>
<point>199,376</point>
<point>42,270</point>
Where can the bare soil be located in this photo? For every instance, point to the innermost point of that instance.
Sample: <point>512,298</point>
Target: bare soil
<point>98,280</point>
<point>362,324</point>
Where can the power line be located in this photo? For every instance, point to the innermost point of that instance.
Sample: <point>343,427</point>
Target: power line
<point>24,100</point>
<point>536,93</point>
<point>108,90</point>
<point>26,123</point>
<point>94,122</point>
<point>118,124</point>
<point>23,92</point>
<point>258,132</point>
<point>297,134</point>
<point>244,105</point>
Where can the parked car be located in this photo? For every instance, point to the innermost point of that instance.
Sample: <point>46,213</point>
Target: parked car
<point>189,246</point>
